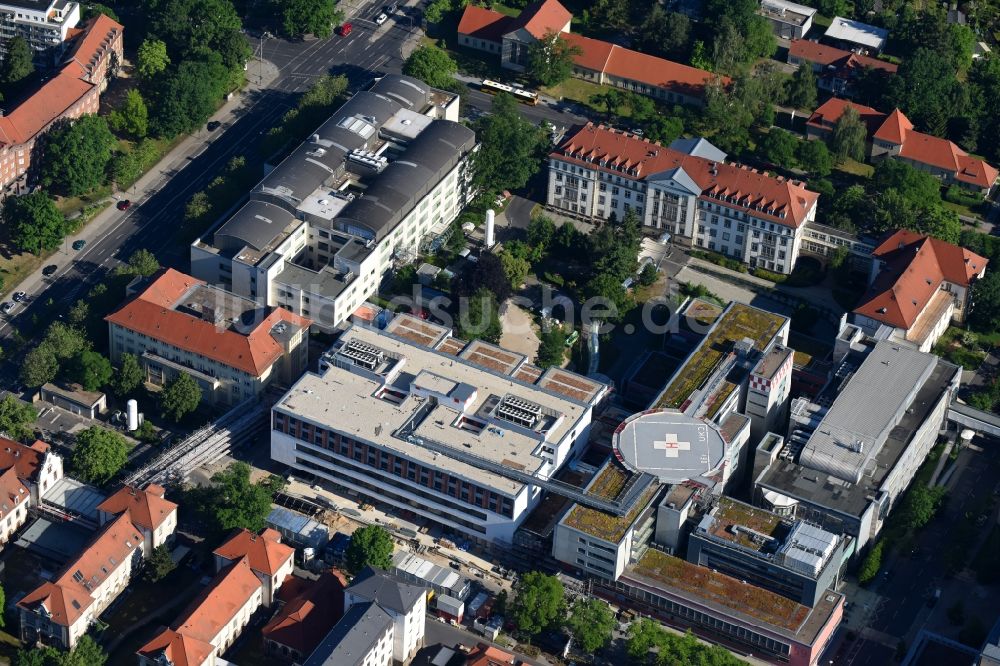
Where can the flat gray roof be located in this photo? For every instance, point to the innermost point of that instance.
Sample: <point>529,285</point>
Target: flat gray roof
<point>874,399</point>
<point>256,224</point>
<point>669,445</point>
<point>407,91</point>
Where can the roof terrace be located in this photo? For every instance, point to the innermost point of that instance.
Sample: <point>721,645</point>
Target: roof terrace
<point>752,528</point>
<point>739,321</point>
<point>610,483</point>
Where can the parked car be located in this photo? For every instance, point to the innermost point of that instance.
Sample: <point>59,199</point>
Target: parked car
<point>20,297</point>
<point>124,204</point>
<point>380,19</point>
<point>50,270</point>
<point>8,307</point>
<point>391,8</point>
<point>213,125</point>
<point>345,29</point>
<point>79,245</point>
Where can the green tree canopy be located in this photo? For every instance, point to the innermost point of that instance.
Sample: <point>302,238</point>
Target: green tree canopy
<point>99,455</point>
<point>515,264</point>
<point>16,419</point>
<point>814,157</point>
<point>142,263</point>
<point>129,376</point>
<point>740,35</point>
<point>66,341</point>
<point>871,564</point>
<point>308,17</point>
<point>847,141</point>
<point>591,622</point>
<point>181,396</point>
<point>552,347</point>
<point>39,366</point>
<point>550,59</point>
<point>77,153</point>
<point>191,27</point>
<point>159,563</point>
<point>479,316</point>
<point>926,88</point>
<point>34,222</point>
<point>86,653</point>
<point>779,147</point>
<point>133,117</point>
<point>233,502</point>
<point>17,64</point>
<point>538,602</point>
<point>371,546</point>
<point>511,147</point>
<point>541,230</point>
<point>800,90</point>
<point>152,59</point>
<point>92,9</point>
<point>432,65</point>
<point>91,370</point>
<point>186,97</point>
<point>646,635</point>
<point>665,33</point>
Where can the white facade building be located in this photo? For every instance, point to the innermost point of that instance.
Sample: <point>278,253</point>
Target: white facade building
<point>687,190</point>
<point>44,25</point>
<point>386,174</point>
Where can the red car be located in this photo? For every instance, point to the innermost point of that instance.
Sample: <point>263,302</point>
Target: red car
<point>345,30</point>
<point>124,204</point>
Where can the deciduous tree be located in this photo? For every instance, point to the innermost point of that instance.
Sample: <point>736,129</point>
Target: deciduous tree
<point>17,63</point>
<point>129,376</point>
<point>16,419</point>
<point>779,147</point>
<point>552,347</point>
<point>814,157</point>
<point>550,59</point>
<point>370,546</point>
<point>151,58</point>
<point>133,117</point>
<point>432,65</point>
<point>591,622</point>
<point>91,370</point>
<point>99,454</point>
<point>180,396</point>
<point>232,501</point>
<point>187,96</point>
<point>511,147</point>
<point>160,563</point>
<point>77,153</point>
<point>34,222</point>
<point>847,141</point>
<point>538,602</point>
<point>39,366</point>
<point>800,91</point>
<point>302,17</point>
<point>665,32</point>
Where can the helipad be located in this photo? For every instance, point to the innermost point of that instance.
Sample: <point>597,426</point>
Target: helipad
<point>670,445</point>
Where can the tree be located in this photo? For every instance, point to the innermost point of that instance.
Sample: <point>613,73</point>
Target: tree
<point>800,92</point>
<point>591,622</point>
<point>91,370</point>
<point>40,366</point>
<point>99,454</point>
<point>142,263</point>
<point>538,602</point>
<point>65,341</point>
<point>192,28</point>
<point>304,17</point>
<point>18,63</point>
<point>431,65</point>
<point>86,653</point>
<point>920,505</point>
<point>847,141</point>
<point>133,117</point>
<point>986,296</point>
<point>515,265</point>
<point>479,316</point>
<point>16,419</point>
<point>233,502</point>
<point>151,58</point>
<point>370,546</point>
<point>550,59</point>
<point>77,153</point>
<point>95,9</point>
<point>129,376</point>
<point>610,14</point>
<point>871,564</point>
<point>198,206</point>
<point>814,157</point>
<point>665,32</point>
<point>188,96</point>
<point>79,313</point>
<point>437,9</point>
<point>779,147</point>
<point>511,147</point>
<point>180,396</point>
<point>541,230</point>
<point>647,276</point>
<point>552,348</point>
<point>160,563</point>
<point>740,36</point>
<point>924,87</point>
<point>34,221</point>
<point>612,99</point>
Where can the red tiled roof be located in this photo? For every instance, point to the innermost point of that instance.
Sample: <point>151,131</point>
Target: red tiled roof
<point>895,128</point>
<point>34,114</point>
<point>915,266</point>
<point>613,60</point>
<point>265,552</point>
<point>68,596</point>
<point>12,492</point>
<point>541,17</point>
<point>977,172</point>
<point>147,508</point>
<point>218,603</point>
<point>487,655</point>
<point>150,313</point>
<point>179,650</point>
<point>788,201</point>
<point>309,612</point>
<point>824,55</point>
<point>98,34</point>
<point>830,111</point>
<point>26,459</point>
<point>483,23</point>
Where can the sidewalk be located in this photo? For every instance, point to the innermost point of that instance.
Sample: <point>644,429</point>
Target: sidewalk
<point>105,222</point>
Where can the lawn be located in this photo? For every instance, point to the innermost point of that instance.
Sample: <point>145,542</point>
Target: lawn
<point>952,348</point>
<point>962,209</point>
<point>581,91</point>
<point>856,168</point>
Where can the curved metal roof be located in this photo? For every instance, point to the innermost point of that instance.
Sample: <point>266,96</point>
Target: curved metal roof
<point>405,90</point>
<point>256,224</point>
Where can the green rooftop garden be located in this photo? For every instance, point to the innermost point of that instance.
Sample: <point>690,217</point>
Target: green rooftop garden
<point>738,322</point>
<point>608,484</point>
<point>731,512</point>
<point>702,582</point>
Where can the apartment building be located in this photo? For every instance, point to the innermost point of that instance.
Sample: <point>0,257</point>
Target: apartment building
<point>853,451</point>
<point>46,25</point>
<point>788,20</point>
<point>384,176</point>
<point>148,509</point>
<point>26,474</point>
<point>383,623</point>
<point>73,92</point>
<point>250,570</point>
<point>918,286</point>
<point>60,611</point>
<point>452,431</point>
<point>233,347</point>
<point>510,39</point>
<point>686,189</point>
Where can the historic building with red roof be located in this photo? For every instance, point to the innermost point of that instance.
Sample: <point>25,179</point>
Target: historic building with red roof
<point>232,346</point>
<point>150,511</point>
<point>836,69</point>
<point>600,62</point>
<point>306,613</point>
<point>686,189</point>
<point>269,559</point>
<point>26,474</point>
<point>73,92</point>
<point>919,285</point>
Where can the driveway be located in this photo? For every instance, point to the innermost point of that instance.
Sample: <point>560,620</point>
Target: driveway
<point>519,333</point>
